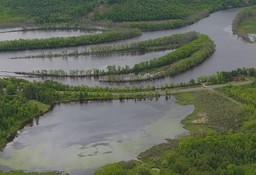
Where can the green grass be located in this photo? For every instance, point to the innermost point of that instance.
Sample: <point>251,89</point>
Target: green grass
<point>42,108</point>
<point>248,25</point>
<point>127,168</point>
<point>23,173</point>
<point>223,115</point>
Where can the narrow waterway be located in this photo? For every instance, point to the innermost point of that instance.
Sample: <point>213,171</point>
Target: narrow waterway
<point>231,53</point>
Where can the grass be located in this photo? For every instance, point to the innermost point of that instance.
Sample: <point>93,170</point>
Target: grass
<point>222,115</point>
<point>248,25</point>
<point>42,108</point>
<point>23,173</point>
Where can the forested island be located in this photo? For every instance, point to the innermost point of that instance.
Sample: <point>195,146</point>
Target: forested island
<point>191,49</point>
<point>221,139</point>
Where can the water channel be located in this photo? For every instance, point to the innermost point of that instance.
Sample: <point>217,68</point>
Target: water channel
<point>77,138</point>
<point>231,53</point>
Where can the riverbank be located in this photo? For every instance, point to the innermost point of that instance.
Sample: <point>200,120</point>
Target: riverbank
<point>191,50</point>
<point>25,173</point>
<point>37,97</point>
<point>216,140</point>
<point>244,24</point>
<point>25,100</point>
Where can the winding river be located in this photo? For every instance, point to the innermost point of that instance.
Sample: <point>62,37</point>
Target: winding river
<point>231,53</point>
<point>77,138</point>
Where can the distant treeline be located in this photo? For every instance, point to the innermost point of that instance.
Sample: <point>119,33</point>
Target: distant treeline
<point>52,12</point>
<point>145,10</point>
<point>166,24</point>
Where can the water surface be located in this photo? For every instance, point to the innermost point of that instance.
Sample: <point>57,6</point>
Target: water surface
<point>231,53</point>
<point>77,138</point>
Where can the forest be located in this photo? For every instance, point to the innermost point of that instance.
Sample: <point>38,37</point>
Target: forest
<point>55,12</point>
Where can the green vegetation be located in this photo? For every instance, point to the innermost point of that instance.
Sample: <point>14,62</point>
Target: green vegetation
<point>245,23</point>
<point>244,94</point>
<point>146,10</point>
<point>23,173</point>
<point>214,113</point>
<point>222,139</point>
<point>180,60</point>
<point>183,58</point>
<point>55,12</point>
<point>23,44</point>
<point>149,15</point>
<point>158,44</point>
<point>43,11</point>
<point>20,100</point>
<point>165,24</point>
<point>228,76</point>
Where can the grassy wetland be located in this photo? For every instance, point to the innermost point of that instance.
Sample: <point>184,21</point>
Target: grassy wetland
<point>221,139</point>
<point>215,116</point>
<point>244,24</point>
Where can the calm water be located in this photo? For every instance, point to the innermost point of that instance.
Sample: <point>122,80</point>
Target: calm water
<point>17,33</point>
<point>77,138</point>
<point>231,53</point>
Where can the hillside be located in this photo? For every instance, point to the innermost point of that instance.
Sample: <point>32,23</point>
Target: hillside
<point>15,12</point>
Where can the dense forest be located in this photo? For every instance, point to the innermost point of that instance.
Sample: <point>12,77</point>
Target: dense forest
<point>31,12</point>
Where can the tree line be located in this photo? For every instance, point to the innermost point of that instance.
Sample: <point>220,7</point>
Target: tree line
<point>158,44</point>
<point>145,10</point>
<point>28,44</point>
<point>181,59</point>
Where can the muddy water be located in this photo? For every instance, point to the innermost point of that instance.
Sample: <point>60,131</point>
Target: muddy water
<point>77,138</point>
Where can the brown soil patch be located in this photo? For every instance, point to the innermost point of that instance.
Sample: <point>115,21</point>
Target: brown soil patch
<point>203,119</point>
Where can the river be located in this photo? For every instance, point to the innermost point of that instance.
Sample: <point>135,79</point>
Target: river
<point>231,53</point>
<point>78,138</point>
